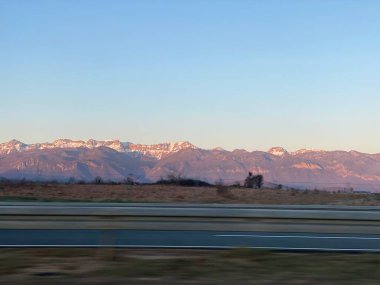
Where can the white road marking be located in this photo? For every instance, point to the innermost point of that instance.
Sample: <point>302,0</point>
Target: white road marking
<point>306,237</point>
<point>197,246</point>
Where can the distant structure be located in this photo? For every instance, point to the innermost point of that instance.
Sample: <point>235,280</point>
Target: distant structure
<point>254,181</point>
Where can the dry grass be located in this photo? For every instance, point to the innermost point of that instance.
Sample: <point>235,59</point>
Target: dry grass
<point>171,193</point>
<point>134,266</point>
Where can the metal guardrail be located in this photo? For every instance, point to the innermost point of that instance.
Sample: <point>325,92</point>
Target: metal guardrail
<point>199,211</point>
<point>190,217</point>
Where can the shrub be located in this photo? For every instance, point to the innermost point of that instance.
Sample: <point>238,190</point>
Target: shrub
<point>98,180</point>
<point>254,181</point>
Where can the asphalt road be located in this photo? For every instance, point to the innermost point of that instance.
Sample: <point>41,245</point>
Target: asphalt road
<point>324,228</point>
<point>188,239</point>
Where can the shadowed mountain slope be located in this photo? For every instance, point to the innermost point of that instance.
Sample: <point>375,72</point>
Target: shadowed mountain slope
<point>79,163</point>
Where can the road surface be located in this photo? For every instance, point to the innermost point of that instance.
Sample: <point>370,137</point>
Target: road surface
<point>188,239</point>
<point>324,228</point>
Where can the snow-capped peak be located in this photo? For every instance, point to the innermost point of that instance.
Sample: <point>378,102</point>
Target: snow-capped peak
<point>14,142</point>
<point>304,150</point>
<point>277,151</point>
<point>177,146</point>
<point>219,149</point>
<point>158,150</point>
<point>12,146</point>
<point>66,143</point>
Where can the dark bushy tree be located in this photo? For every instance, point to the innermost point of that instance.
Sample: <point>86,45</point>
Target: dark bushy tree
<point>254,181</point>
<point>98,180</point>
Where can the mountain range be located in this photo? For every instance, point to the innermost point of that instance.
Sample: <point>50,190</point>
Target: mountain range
<point>114,160</point>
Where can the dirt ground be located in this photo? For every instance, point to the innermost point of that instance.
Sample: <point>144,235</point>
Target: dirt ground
<point>137,266</point>
<point>170,193</point>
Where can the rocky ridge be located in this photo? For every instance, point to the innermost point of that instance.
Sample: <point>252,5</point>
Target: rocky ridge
<point>156,150</point>
<point>115,160</point>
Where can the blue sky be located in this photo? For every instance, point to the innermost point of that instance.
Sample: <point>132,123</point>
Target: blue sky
<point>234,74</point>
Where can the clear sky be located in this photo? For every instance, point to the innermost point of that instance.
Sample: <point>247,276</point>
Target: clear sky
<point>235,74</point>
